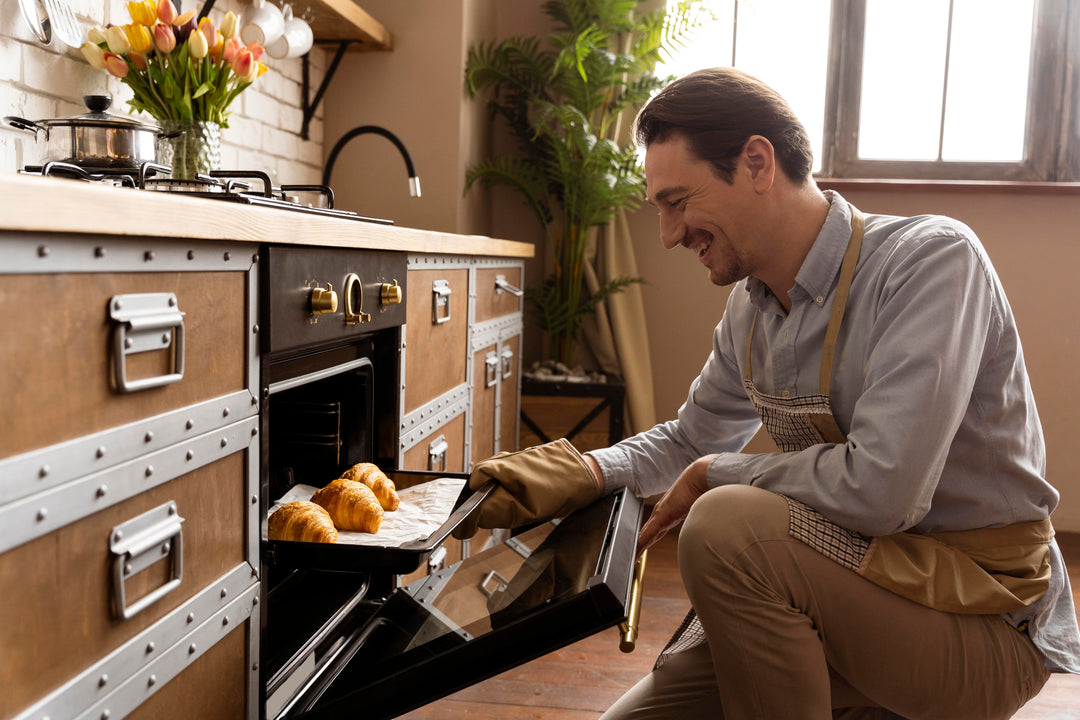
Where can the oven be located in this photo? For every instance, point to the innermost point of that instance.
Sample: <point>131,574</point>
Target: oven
<point>339,637</point>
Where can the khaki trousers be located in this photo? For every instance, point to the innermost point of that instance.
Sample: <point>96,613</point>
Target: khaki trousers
<point>793,635</point>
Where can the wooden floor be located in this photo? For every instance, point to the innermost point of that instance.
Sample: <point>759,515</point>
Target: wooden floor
<point>580,681</point>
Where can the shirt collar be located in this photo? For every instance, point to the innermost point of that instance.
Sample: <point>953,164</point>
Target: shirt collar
<point>822,264</point>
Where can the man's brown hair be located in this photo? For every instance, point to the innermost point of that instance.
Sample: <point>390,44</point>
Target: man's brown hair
<point>717,110</point>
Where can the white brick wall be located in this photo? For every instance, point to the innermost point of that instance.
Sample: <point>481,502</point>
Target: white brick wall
<point>40,82</point>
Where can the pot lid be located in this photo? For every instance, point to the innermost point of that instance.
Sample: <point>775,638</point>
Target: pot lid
<point>97,105</point>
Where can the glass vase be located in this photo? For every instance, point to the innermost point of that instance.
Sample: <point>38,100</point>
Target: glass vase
<point>196,150</point>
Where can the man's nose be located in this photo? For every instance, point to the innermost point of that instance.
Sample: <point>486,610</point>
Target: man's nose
<point>672,231</point>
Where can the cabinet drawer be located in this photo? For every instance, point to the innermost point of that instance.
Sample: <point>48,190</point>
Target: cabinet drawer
<point>493,299</point>
<point>63,348</point>
<point>486,373</point>
<point>425,454</point>
<point>509,392</point>
<point>436,333</point>
<point>61,588</point>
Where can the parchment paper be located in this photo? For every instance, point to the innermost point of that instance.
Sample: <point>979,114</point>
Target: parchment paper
<point>422,510</point>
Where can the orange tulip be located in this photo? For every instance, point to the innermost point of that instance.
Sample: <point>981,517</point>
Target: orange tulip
<point>166,11</point>
<point>206,26</point>
<point>231,47</point>
<point>164,39</point>
<point>115,65</point>
<point>138,60</point>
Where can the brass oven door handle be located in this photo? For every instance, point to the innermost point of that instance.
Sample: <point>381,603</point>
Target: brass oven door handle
<point>628,629</point>
<point>354,288</point>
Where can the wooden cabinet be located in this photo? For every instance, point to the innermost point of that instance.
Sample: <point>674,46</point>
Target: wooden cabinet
<point>128,461</point>
<point>461,358</point>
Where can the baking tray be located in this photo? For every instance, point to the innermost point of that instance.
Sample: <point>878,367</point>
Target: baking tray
<point>398,559</point>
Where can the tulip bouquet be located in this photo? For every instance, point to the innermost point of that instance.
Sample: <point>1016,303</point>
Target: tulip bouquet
<point>180,73</point>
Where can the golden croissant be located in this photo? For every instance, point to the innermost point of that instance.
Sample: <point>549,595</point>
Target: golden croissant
<point>352,505</point>
<point>383,487</point>
<point>302,521</point>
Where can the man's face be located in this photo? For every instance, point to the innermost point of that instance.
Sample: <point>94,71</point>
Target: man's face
<point>701,211</point>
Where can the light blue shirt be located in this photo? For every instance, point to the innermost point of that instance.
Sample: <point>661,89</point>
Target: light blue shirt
<point>929,385</point>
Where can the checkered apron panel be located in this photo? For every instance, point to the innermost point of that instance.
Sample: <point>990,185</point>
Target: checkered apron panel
<point>785,418</point>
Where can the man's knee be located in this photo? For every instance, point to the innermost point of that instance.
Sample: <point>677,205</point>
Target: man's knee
<point>726,520</point>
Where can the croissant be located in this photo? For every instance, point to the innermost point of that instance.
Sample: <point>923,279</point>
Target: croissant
<point>302,520</point>
<point>383,487</point>
<point>352,505</point>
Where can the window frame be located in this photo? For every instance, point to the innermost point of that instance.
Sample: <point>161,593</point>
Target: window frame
<point>1052,135</point>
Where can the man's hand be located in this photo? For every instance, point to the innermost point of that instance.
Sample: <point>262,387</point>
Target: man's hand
<point>673,508</point>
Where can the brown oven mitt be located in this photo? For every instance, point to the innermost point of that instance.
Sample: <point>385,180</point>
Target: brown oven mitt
<point>535,484</point>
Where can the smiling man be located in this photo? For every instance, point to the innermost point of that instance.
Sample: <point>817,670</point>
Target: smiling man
<point>896,558</point>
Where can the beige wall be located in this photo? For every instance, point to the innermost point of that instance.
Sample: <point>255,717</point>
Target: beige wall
<point>1033,241</point>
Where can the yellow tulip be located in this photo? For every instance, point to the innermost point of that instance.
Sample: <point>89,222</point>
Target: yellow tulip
<point>262,69</point>
<point>117,39</point>
<point>94,55</point>
<point>142,12</point>
<point>139,37</point>
<point>197,45</point>
<point>229,25</point>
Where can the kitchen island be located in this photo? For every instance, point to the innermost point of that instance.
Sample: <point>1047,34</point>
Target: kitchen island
<point>133,341</point>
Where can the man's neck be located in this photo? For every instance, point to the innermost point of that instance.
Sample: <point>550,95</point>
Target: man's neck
<point>799,216</point>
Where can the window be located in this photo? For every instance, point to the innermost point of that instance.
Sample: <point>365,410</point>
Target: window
<point>937,89</point>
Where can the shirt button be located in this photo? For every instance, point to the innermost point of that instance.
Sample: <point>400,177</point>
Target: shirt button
<point>819,299</point>
<point>785,393</point>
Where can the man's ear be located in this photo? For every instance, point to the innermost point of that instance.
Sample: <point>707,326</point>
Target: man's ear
<point>760,159</point>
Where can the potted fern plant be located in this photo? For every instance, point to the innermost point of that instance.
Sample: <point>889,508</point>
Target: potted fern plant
<point>560,100</point>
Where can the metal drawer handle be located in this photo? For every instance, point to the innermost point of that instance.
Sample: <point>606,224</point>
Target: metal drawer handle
<point>440,302</point>
<point>491,369</point>
<point>144,322</point>
<point>437,454</point>
<point>507,356</point>
<point>501,284</point>
<point>501,583</point>
<point>152,537</point>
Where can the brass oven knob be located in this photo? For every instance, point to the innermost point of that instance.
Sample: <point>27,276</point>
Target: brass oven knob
<point>390,294</point>
<point>323,301</point>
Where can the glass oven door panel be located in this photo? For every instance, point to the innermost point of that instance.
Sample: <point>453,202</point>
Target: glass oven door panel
<point>542,590</point>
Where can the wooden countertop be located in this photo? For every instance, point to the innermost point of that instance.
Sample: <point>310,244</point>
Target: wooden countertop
<point>37,204</point>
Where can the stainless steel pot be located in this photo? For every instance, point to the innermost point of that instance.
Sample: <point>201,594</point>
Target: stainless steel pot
<point>95,139</point>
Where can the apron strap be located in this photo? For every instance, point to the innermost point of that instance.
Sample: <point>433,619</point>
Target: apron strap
<point>843,286</point>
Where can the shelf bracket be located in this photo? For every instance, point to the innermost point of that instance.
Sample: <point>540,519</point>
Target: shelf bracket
<point>305,90</point>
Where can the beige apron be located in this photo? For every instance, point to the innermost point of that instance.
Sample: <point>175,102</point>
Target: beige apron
<point>983,571</point>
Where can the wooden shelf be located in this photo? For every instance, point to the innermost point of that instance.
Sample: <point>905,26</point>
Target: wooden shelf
<point>341,20</point>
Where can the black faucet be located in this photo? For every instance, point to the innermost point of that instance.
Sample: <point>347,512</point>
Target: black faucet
<point>414,180</point>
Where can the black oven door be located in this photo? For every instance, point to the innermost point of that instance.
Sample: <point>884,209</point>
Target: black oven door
<point>541,590</point>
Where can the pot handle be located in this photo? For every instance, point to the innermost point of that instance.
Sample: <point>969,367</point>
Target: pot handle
<point>22,124</point>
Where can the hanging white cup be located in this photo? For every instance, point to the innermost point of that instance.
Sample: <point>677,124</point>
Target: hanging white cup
<point>296,39</point>
<point>262,22</point>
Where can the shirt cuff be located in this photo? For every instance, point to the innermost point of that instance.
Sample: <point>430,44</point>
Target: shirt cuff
<point>616,468</point>
<point>730,469</point>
